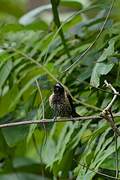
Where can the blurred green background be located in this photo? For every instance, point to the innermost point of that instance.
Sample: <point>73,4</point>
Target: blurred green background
<point>41,42</point>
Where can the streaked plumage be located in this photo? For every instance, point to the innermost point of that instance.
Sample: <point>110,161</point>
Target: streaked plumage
<point>61,102</point>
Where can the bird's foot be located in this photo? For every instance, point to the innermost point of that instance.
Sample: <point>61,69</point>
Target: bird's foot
<point>72,119</point>
<point>54,119</point>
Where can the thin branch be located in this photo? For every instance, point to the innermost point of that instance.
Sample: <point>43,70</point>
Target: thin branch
<point>95,171</point>
<point>117,156</point>
<point>114,97</point>
<point>28,122</point>
<point>97,37</point>
<point>63,23</point>
<point>116,149</point>
<point>43,116</point>
<point>41,97</point>
<point>51,75</point>
<point>44,139</point>
<point>97,88</point>
<point>107,113</point>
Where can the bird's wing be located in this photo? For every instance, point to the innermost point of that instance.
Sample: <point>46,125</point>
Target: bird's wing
<point>74,114</point>
<point>70,100</point>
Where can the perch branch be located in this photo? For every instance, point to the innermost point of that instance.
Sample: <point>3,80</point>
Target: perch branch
<point>107,113</point>
<point>28,122</point>
<point>114,97</point>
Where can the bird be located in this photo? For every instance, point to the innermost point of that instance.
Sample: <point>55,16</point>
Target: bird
<point>61,102</point>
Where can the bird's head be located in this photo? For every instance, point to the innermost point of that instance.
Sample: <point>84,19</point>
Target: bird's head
<point>58,89</point>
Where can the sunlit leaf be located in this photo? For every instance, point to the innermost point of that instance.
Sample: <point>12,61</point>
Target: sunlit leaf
<point>100,69</point>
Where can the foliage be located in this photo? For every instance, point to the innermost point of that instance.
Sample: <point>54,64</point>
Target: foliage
<point>31,48</point>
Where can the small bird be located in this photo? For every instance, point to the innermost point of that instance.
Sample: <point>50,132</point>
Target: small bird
<point>61,103</point>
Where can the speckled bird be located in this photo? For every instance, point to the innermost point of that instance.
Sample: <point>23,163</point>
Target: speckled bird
<point>61,102</point>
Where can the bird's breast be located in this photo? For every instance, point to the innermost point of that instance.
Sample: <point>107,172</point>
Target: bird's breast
<point>61,104</point>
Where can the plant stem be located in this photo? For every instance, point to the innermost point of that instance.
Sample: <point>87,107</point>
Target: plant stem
<point>58,24</point>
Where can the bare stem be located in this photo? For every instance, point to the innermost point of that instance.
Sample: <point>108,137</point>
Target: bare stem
<point>45,121</point>
<point>114,97</point>
<point>107,113</point>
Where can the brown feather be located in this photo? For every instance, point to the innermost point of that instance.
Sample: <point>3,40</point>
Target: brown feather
<point>61,102</point>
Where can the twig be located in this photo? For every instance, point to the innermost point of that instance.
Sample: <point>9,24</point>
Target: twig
<point>41,97</point>
<point>28,122</point>
<point>114,97</point>
<point>117,160</point>
<point>116,149</point>
<point>45,134</point>
<point>97,88</point>
<point>95,171</point>
<point>44,139</point>
<point>96,38</point>
<point>52,76</point>
<point>106,113</point>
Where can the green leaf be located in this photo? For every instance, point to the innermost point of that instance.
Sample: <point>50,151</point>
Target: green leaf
<point>12,7</point>
<point>14,135</point>
<point>108,51</point>
<point>71,3</point>
<point>5,71</point>
<point>99,69</point>
<point>7,100</point>
<point>23,176</point>
<point>27,82</point>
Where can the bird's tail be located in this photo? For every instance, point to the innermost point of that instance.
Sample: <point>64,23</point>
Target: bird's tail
<point>74,114</point>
